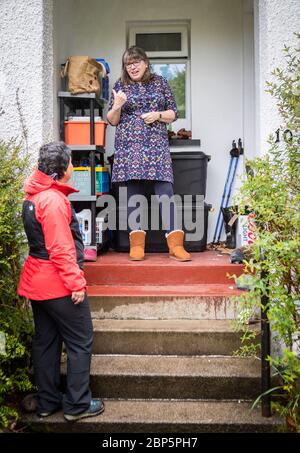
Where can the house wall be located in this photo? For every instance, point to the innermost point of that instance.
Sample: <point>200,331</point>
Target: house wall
<point>222,88</point>
<point>26,62</point>
<point>276,23</point>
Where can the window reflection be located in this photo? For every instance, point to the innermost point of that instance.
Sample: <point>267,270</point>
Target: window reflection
<point>175,73</point>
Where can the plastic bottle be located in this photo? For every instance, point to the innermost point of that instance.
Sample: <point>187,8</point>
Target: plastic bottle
<point>85,225</point>
<point>100,219</point>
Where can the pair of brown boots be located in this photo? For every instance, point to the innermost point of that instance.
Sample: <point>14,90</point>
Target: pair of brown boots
<point>174,241</point>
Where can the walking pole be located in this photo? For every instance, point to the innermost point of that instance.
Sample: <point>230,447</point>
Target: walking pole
<point>235,154</point>
<point>224,193</point>
<point>240,151</point>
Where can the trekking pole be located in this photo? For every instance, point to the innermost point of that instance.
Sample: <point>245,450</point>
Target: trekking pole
<point>223,196</point>
<point>239,152</point>
<point>235,154</point>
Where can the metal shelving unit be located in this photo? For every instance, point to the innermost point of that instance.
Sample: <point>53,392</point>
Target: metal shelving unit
<point>75,197</point>
<point>84,101</point>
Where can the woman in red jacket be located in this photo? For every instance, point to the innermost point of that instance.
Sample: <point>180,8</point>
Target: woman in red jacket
<point>53,280</point>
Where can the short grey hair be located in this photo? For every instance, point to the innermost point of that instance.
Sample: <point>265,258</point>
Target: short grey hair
<point>54,159</point>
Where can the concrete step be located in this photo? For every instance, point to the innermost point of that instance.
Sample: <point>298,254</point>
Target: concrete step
<point>194,301</point>
<point>166,337</point>
<point>115,268</point>
<point>162,416</point>
<point>146,376</point>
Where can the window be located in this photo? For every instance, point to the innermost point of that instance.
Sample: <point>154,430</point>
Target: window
<point>159,40</point>
<point>176,74</point>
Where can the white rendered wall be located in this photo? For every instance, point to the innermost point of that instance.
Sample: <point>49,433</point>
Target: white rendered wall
<point>276,21</point>
<point>26,64</point>
<point>221,64</point>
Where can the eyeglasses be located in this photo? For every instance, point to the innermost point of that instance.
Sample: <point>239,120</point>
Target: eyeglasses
<point>134,64</point>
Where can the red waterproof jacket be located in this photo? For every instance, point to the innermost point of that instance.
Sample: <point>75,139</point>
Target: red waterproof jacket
<point>52,267</point>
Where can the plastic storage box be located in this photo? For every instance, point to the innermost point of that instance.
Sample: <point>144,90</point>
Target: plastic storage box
<point>155,239</point>
<point>190,172</point>
<point>190,176</point>
<point>81,179</point>
<point>77,132</point>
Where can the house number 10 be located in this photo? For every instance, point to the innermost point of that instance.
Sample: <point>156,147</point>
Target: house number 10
<point>287,136</point>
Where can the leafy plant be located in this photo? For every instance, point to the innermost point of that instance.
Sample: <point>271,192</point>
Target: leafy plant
<point>287,395</point>
<point>272,191</point>
<point>16,325</point>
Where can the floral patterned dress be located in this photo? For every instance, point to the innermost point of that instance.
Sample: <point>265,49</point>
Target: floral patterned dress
<point>142,150</point>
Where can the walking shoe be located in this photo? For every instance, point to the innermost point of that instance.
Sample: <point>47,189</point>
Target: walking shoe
<point>96,408</point>
<point>175,244</point>
<point>90,254</point>
<point>48,413</point>
<point>137,245</point>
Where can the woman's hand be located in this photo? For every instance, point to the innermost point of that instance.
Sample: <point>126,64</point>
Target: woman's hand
<point>78,297</point>
<point>119,99</point>
<point>150,117</point>
<point>114,114</point>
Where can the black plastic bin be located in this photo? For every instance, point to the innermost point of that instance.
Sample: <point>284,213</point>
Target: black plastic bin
<point>190,175</point>
<point>190,172</point>
<point>155,239</point>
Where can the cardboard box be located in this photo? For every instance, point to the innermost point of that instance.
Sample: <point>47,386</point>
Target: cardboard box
<point>246,230</point>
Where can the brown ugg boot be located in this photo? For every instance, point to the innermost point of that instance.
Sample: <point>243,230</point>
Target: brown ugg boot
<point>175,244</point>
<point>137,245</point>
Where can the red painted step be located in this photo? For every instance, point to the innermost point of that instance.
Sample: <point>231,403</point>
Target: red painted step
<point>136,291</point>
<point>115,268</point>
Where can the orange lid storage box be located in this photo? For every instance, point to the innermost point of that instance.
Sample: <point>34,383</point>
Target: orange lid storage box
<point>78,132</point>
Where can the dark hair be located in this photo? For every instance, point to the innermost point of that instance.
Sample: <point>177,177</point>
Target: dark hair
<point>135,53</point>
<point>54,159</point>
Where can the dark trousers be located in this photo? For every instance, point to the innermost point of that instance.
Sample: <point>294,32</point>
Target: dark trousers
<point>57,321</point>
<point>137,187</point>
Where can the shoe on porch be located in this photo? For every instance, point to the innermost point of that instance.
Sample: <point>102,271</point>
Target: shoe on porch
<point>137,245</point>
<point>175,244</point>
<point>90,254</point>
<point>96,408</point>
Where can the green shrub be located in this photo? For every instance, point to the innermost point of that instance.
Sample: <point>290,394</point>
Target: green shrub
<point>16,326</point>
<point>272,191</point>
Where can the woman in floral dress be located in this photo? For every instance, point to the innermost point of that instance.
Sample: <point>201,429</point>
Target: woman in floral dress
<point>141,106</point>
